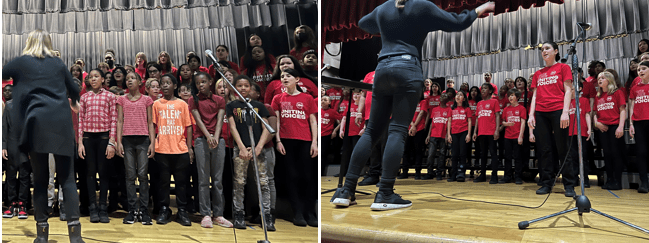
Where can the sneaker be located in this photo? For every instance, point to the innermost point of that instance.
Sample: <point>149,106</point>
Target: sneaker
<point>270,225</point>
<point>389,200</point>
<point>519,181</point>
<point>221,221</point>
<point>11,211</point>
<point>343,198</point>
<point>570,192</point>
<point>145,218</point>
<point>543,190</point>
<point>481,178</point>
<point>22,211</point>
<point>206,222</point>
<point>370,180</point>
<point>131,218</point>
<point>239,221</point>
<point>182,217</point>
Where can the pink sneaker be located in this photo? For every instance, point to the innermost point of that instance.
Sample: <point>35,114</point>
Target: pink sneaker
<point>221,221</point>
<point>206,222</point>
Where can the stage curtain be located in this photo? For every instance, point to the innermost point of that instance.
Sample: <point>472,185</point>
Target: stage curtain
<point>143,19</point>
<point>340,17</point>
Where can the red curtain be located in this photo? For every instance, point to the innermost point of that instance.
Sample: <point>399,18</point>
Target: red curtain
<point>340,21</point>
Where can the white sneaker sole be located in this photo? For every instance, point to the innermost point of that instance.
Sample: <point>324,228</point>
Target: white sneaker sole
<point>388,206</point>
<point>341,202</point>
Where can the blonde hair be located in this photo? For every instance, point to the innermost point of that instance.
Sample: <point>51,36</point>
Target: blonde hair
<point>221,81</point>
<point>39,44</point>
<point>171,64</point>
<point>612,85</point>
<point>147,85</point>
<point>643,54</point>
<point>143,57</point>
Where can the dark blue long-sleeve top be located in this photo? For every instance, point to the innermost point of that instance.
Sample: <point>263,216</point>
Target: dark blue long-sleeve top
<point>403,31</point>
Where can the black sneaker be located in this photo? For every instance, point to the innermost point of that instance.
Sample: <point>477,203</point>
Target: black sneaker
<point>543,190</point>
<point>519,181</point>
<point>570,192</point>
<point>481,178</point>
<point>130,218</point>
<point>239,221</point>
<point>11,212</point>
<point>144,217</point>
<point>343,198</point>
<point>164,215</point>
<point>370,180</point>
<point>389,200</point>
<point>183,217</point>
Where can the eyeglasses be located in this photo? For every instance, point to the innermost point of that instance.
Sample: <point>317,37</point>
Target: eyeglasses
<point>109,58</point>
<point>154,71</point>
<point>117,71</point>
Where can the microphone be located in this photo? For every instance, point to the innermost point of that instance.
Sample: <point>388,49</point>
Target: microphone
<point>571,49</point>
<point>585,26</point>
<point>208,53</point>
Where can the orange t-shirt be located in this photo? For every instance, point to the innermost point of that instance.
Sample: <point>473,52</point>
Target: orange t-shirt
<point>172,119</point>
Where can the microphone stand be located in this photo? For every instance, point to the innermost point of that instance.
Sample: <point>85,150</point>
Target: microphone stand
<point>248,117</point>
<point>582,203</point>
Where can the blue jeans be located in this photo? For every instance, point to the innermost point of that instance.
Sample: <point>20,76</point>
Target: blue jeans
<point>397,89</point>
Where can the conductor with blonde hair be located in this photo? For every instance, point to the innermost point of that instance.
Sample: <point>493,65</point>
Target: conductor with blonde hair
<point>43,125</point>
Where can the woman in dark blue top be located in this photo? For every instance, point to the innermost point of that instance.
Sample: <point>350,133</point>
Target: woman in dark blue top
<point>43,124</point>
<point>398,85</point>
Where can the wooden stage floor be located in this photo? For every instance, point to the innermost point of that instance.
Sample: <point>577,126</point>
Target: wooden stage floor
<point>433,218</point>
<point>24,230</point>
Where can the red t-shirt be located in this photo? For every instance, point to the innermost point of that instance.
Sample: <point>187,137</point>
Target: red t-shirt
<point>294,113</point>
<point>588,91</point>
<point>299,54</point>
<point>328,120</point>
<point>487,111</point>
<point>225,133</point>
<point>261,76</point>
<point>135,115</point>
<point>421,107</point>
<point>635,82</point>
<point>492,85</point>
<point>473,105</point>
<point>640,96</point>
<point>549,84</point>
<point>354,129</point>
<point>504,102</point>
<point>174,72</point>
<point>276,87</point>
<point>369,79</point>
<point>590,79</point>
<point>514,114</point>
<point>426,94</point>
<point>271,113</point>
<point>212,71</point>
<point>584,107</point>
<point>440,117</point>
<point>433,101</point>
<point>460,117</point>
<point>343,107</point>
<point>521,101</point>
<point>334,95</point>
<point>608,107</point>
<point>208,108</point>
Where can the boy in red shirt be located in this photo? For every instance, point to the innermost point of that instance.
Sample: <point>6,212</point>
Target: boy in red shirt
<point>513,121</point>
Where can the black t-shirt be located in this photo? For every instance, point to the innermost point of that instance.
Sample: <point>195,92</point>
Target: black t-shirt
<point>237,110</point>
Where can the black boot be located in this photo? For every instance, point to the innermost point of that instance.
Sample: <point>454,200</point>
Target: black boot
<point>94,213</point>
<point>42,232</point>
<point>270,224</point>
<point>74,230</point>
<point>103,213</point>
<point>183,217</point>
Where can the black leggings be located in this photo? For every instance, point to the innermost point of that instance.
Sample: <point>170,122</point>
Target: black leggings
<point>325,142</point>
<point>414,150</point>
<point>65,175</point>
<point>459,150</point>
<point>613,154</point>
<point>512,152</point>
<point>175,164</point>
<point>488,145</point>
<point>297,163</point>
<point>95,145</point>
<point>548,125</point>
<point>642,144</point>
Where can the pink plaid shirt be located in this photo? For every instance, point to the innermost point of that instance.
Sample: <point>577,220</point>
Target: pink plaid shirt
<point>98,113</point>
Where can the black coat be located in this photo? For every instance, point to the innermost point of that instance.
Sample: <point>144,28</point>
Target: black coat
<point>40,118</point>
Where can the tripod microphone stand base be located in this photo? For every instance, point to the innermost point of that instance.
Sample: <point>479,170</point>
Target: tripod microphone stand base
<point>263,241</point>
<point>582,206</point>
